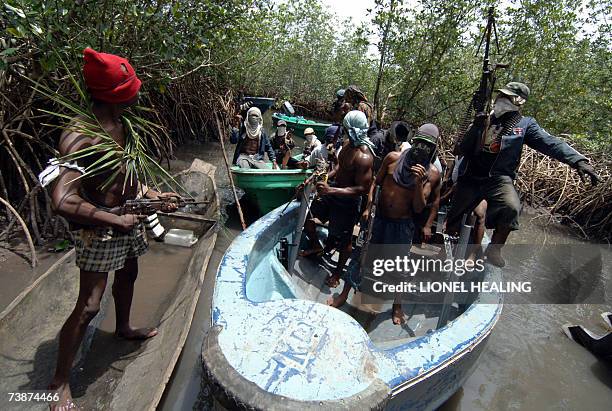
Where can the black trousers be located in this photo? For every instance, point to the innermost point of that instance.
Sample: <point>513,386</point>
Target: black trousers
<point>503,203</point>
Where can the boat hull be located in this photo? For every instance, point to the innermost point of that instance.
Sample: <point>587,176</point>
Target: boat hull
<point>267,348</point>
<point>299,124</point>
<point>268,189</point>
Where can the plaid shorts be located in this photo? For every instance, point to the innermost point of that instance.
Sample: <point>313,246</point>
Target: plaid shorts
<point>102,249</point>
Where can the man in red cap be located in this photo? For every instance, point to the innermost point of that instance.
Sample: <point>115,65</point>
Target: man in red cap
<point>104,241</point>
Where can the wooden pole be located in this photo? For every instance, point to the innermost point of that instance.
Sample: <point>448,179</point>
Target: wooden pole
<point>229,172</point>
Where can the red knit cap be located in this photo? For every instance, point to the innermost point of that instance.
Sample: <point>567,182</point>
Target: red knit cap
<point>109,78</point>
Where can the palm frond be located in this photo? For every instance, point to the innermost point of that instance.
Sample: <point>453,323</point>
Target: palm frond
<point>106,156</point>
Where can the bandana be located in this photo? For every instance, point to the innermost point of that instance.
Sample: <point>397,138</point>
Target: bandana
<point>312,139</point>
<point>253,123</point>
<point>356,125</point>
<point>109,78</point>
<point>503,105</point>
<point>427,133</point>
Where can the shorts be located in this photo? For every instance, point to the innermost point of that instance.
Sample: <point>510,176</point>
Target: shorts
<point>342,214</point>
<point>391,238</point>
<point>503,203</point>
<point>392,231</point>
<point>102,249</point>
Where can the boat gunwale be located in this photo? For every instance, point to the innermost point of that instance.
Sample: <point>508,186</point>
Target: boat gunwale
<point>306,122</point>
<point>20,297</point>
<point>270,171</point>
<point>251,235</point>
<point>398,389</point>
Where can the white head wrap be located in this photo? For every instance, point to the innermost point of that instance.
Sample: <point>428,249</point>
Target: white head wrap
<point>253,123</point>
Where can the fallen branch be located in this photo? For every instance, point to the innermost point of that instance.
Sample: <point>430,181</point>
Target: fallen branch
<point>25,230</point>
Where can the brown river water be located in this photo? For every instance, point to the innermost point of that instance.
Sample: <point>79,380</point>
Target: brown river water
<point>528,364</point>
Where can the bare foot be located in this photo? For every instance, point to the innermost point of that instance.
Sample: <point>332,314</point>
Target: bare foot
<point>312,251</point>
<point>333,281</point>
<point>136,333</point>
<point>64,403</point>
<point>337,300</point>
<point>494,256</point>
<point>398,315</point>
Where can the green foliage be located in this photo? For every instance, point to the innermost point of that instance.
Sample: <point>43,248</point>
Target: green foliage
<point>194,55</point>
<point>432,69</point>
<point>107,156</point>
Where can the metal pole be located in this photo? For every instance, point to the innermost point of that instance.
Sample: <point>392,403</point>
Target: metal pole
<point>297,236</point>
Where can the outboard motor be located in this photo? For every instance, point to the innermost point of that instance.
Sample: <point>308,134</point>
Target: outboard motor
<point>288,108</point>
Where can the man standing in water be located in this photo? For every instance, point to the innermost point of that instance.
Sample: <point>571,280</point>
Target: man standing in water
<point>252,142</point>
<point>339,202</point>
<point>405,186</point>
<point>104,241</point>
<point>489,166</point>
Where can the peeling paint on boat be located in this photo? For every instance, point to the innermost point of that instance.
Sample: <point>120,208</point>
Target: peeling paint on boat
<point>311,352</point>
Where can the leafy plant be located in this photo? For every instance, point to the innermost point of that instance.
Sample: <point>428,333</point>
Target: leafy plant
<point>107,156</point>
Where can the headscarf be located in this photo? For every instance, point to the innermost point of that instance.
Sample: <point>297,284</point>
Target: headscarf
<point>402,174</point>
<point>253,123</point>
<point>503,105</point>
<point>356,125</point>
<point>109,78</point>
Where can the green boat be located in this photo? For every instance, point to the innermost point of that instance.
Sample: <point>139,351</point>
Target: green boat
<point>268,189</point>
<point>299,124</point>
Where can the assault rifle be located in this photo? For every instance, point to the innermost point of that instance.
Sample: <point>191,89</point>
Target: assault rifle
<point>482,98</point>
<point>360,251</point>
<point>145,206</point>
<point>319,174</point>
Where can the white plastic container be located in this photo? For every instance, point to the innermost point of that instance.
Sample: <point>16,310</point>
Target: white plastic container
<point>183,238</point>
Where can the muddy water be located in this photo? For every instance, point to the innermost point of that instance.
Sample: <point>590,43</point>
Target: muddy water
<point>528,363</point>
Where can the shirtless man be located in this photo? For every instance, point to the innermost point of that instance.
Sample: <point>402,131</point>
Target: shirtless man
<point>104,241</point>
<point>339,202</point>
<point>405,186</point>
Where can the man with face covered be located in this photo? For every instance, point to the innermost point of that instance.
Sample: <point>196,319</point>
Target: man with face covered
<point>405,179</point>
<point>311,142</point>
<point>282,143</point>
<point>252,142</point>
<point>339,201</point>
<point>490,164</point>
<point>357,99</point>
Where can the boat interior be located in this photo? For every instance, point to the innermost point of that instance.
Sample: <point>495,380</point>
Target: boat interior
<point>270,280</point>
